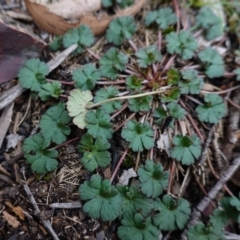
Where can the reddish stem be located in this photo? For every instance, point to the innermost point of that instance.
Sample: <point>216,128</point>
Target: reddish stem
<point>65,143</point>
<point>119,164</point>
<point>62,82</point>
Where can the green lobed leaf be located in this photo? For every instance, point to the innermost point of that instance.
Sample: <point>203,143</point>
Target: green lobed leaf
<point>235,202</point>
<point>86,78</point>
<point>237,72</point>
<point>35,152</point>
<point>98,124</point>
<point>212,110</point>
<point>95,152</point>
<point>163,17</point>
<point>159,114</point>
<point>173,213</point>
<point>140,104</point>
<point>133,200</point>
<point>108,93</point>
<point>112,62</point>
<point>219,219</point>
<point>173,76</point>
<point>82,35</point>
<point>134,83</point>
<point>48,90</point>
<point>212,61</point>
<point>107,3</point>
<point>176,111</point>
<point>136,226</point>
<point>54,122</point>
<point>121,28</point>
<point>104,200</point>
<point>186,149</point>
<point>32,74</point>
<point>171,95</point>
<point>139,135</point>
<point>230,209</point>
<point>211,23</point>
<point>56,43</point>
<point>152,178</point>
<point>190,83</point>
<point>125,3</point>
<point>182,43</point>
<point>148,55</point>
<point>202,232</point>
<point>77,106</point>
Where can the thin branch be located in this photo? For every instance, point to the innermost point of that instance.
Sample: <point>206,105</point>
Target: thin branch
<point>45,223</point>
<point>211,195</point>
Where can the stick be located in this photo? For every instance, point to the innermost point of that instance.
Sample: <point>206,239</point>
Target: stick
<point>211,195</point>
<point>45,223</point>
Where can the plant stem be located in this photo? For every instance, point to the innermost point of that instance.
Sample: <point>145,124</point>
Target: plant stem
<point>133,45</point>
<point>110,82</point>
<point>128,97</point>
<point>93,54</point>
<point>118,165</point>
<point>62,82</point>
<point>223,91</point>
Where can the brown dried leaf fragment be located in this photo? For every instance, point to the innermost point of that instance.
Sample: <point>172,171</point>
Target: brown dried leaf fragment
<point>57,25</point>
<point>17,210</point>
<point>11,220</point>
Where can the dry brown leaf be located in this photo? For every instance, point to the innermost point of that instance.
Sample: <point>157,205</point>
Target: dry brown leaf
<point>11,220</point>
<point>56,25</point>
<point>17,210</point>
<point>16,45</point>
<point>74,9</point>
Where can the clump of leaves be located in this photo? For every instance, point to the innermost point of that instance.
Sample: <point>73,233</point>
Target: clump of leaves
<point>182,43</point>
<point>33,74</point>
<point>139,135</point>
<point>121,28</point>
<point>173,213</point>
<point>211,23</point>
<point>152,179</point>
<point>212,61</point>
<point>172,95</point>
<point>86,78</point>
<point>140,104</point>
<point>186,149</point>
<point>54,122</point>
<point>133,200</point>
<point>138,227</point>
<point>98,124</point>
<point>201,231</point>
<point>173,76</point>
<point>48,90</point>
<point>148,55</point>
<point>82,36</point>
<point>112,62</point>
<point>104,200</point>
<point>94,151</point>
<point>212,110</point>
<point>108,93</point>
<point>190,82</point>
<point>133,83</point>
<point>77,106</point>
<point>164,18</point>
<point>36,153</point>
<point>176,111</point>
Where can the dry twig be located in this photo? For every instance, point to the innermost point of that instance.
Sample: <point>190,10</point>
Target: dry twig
<point>46,223</point>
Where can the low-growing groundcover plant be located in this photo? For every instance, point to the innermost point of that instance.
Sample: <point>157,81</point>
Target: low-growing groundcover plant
<point>153,89</point>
